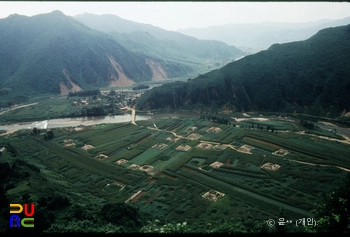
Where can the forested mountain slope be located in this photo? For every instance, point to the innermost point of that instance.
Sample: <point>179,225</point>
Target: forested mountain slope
<point>55,54</point>
<point>166,45</point>
<point>311,76</point>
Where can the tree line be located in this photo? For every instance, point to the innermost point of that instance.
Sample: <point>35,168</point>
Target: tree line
<point>140,87</point>
<point>215,119</point>
<point>84,93</point>
<point>307,124</point>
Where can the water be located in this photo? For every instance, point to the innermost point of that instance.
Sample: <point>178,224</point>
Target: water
<point>73,122</point>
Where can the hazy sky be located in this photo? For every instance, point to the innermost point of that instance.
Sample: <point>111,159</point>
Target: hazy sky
<point>181,15</point>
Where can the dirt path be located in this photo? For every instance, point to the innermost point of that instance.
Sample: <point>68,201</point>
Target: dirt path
<point>313,164</point>
<point>133,113</point>
<point>347,141</point>
<point>8,132</point>
<point>18,107</point>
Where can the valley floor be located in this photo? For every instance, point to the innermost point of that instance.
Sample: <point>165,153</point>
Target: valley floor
<point>188,169</point>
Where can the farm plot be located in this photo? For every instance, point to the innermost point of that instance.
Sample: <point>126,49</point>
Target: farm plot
<point>161,164</point>
<point>144,157</point>
<point>197,161</point>
<point>255,184</point>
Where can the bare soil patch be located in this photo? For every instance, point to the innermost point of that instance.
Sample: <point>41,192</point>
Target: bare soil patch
<point>101,157</point>
<point>133,196</point>
<point>183,148</point>
<point>214,130</point>
<point>63,86</point>
<point>194,136</point>
<point>270,166</point>
<point>280,152</point>
<point>159,146</point>
<point>193,128</point>
<point>213,195</point>
<point>216,164</point>
<point>134,167</point>
<point>116,74</point>
<point>87,147</point>
<point>158,71</point>
<point>173,139</point>
<point>146,168</point>
<point>330,124</point>
<point>138,196</point>
<point>205,146</point>
<point>121,161</point>
<point>8,132</point>
<point>245,148</point>
<point>220,147</point>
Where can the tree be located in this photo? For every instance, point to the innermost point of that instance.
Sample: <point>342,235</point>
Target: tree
<point>333,210</point>
<point>112,93</point>
<point>50,135</point>
<point>169,228</point>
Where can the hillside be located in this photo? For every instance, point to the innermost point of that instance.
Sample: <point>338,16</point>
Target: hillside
<point>202,55</point>
<point>254,37</point>
<point>55,54</point>
<point>311,76</point>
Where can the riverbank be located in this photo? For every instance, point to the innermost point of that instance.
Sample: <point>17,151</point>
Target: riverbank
<point>72,122</point>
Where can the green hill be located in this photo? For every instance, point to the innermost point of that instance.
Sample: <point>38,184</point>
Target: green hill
<point>54,53</point>
<point>169,46</point>
<point>311,76</point>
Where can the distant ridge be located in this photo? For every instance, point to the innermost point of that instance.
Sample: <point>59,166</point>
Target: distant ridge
<point>311,76</point>
<point>254,37</point>
<point>56,54</point>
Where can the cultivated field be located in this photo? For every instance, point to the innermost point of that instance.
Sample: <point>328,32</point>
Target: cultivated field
<point>192,168</point>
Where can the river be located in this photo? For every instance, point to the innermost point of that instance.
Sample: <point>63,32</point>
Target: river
<point>73,122</point>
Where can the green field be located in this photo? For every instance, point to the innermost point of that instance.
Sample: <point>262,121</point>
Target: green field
<point>172,189</point>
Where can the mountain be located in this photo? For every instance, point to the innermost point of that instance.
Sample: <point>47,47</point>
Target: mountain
<point>259,36</point>
<point>311,76</point>
<point>54,53</point>
<point>169,46</point>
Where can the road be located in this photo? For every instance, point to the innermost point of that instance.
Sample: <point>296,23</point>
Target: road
<point>18,107</point>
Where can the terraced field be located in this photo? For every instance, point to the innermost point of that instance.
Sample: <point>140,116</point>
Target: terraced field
<point>256,173</point>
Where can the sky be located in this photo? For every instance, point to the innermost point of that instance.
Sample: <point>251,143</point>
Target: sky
<point>183,15</point>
